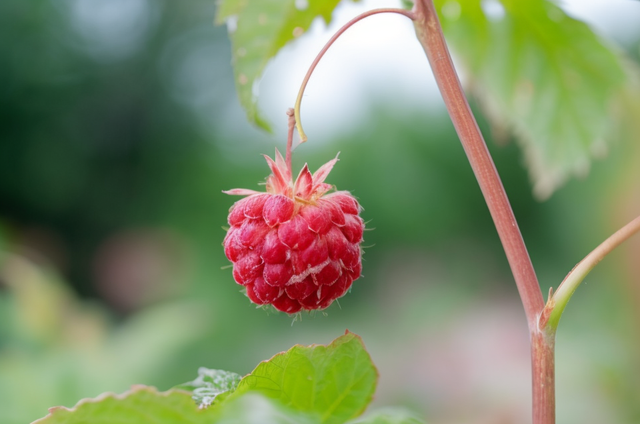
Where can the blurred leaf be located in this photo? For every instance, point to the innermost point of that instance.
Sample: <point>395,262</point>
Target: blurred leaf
<point>45,310</point>
<point>71,347</point>
<point>389,416</point>
<point>336,382</point>
<point>141,404</point>
<point>209,384</point>
<point>544,75</point>
<point>258,30</point>
<point>254,408</point>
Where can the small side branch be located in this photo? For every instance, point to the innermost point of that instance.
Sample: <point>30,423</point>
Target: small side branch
<point>556,304</point>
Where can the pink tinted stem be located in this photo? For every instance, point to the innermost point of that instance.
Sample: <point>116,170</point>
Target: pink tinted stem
<point>430,35</point>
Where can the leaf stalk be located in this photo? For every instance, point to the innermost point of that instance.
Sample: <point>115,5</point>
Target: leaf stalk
<point>555,305</point>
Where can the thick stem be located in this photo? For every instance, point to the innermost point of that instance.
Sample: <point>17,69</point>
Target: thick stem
<point>543,372</point>
<point>430,35</point>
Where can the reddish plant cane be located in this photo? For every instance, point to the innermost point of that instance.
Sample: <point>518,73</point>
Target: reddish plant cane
<point>542,319</point>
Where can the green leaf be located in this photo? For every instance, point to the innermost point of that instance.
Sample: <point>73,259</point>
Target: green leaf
<point>336,382</point>
<point>146,405</point>
<point>141,404</point>
<point>305,385</point>
<point>258,29</point>
<point>389,416</point>
<point>542,74</point>
<point>210,384</point>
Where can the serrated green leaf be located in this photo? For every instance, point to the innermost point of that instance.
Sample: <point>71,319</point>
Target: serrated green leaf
<point>389,416</point>
<point>210,384</point>
<point>142,404</point>
<point>334,382</point>
<point>544,75</point>
<point>146,405</point>
<point>305,385</point>
<point>258,29</point>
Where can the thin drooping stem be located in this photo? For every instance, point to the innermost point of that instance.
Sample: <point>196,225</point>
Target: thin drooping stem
<point>430,35</point>
<point>556,305</point>
<point>291,124</point>
<point>303,136</point>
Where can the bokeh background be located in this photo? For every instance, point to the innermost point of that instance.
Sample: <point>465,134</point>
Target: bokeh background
<point>119,129</point>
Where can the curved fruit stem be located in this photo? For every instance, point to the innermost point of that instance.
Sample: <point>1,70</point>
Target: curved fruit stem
<point>557,303</point>
<point>291,124</point>
<point>303,136</point>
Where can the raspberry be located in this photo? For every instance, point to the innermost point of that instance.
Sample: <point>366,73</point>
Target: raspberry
<point>295,247</point>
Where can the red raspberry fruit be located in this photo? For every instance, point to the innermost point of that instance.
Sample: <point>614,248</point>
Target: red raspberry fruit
<point>295,247</point>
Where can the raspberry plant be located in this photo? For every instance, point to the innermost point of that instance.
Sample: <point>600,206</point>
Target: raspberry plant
<point>297,246</point>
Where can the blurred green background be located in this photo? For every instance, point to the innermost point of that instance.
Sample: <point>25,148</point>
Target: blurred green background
<point>115,145</point>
